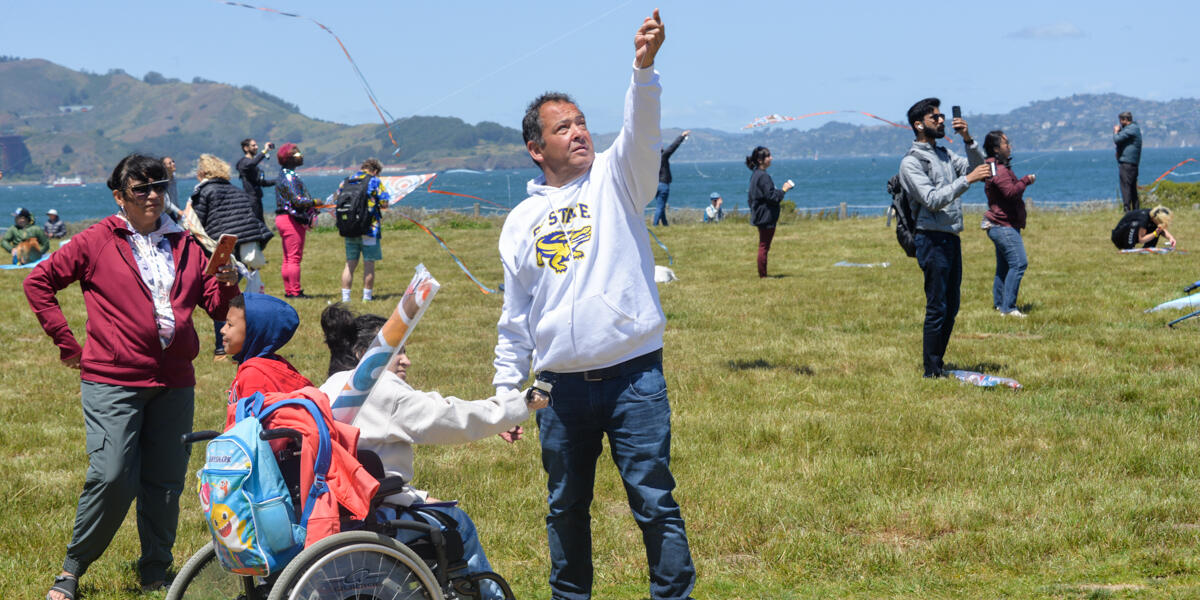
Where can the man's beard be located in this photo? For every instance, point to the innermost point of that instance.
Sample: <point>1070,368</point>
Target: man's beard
<point>938,132</point>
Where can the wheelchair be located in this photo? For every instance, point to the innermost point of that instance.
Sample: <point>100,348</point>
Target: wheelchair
<point>362,562</point>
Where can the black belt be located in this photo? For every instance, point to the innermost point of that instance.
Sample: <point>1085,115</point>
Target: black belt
<point>633,365</point>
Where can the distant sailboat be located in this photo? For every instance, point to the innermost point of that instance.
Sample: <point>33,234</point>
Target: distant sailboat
<point>1070,148</point>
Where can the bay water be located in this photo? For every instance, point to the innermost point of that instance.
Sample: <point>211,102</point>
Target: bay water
<point>1063,178</point>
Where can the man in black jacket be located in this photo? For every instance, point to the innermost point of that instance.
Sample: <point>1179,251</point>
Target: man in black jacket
<point>664,179</point>
<point>253,180</point>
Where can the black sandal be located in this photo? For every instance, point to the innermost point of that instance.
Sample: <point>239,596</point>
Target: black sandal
<point>67,585</point>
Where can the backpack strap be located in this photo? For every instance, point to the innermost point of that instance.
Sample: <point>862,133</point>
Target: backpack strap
<point>249,406</point>
<point>324,450</point>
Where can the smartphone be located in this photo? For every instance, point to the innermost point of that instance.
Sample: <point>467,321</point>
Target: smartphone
<point>221,254</point>
<point>993,167</point>
<point>956,112</point>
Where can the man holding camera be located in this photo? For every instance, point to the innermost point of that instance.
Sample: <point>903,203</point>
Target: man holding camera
<point>253,180</point>
<point>935,177</point>
<point>1128,138</point>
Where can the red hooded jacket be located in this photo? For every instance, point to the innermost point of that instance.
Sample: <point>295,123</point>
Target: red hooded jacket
<point>122,337</point>
<point>349,483</point>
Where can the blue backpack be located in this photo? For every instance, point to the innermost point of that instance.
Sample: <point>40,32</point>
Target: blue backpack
<point>245,498</point>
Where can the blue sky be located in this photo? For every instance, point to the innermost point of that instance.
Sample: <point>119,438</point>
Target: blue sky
<point>724,63</point>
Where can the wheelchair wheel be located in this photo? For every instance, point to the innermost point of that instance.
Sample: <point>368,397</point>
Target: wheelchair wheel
<point>203,578</point>
<point>357,565</point>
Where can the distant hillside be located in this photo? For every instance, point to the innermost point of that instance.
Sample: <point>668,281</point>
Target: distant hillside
<point>82,123</point>
<point>55,121</point>
<point>1083,122</point>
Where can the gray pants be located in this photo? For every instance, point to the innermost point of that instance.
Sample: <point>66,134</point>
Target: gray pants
<point>1129,194</point>
<point>133,452</point>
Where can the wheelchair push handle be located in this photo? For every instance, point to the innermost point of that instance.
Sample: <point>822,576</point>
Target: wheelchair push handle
<point>281,433</point>
<point>197,436</point>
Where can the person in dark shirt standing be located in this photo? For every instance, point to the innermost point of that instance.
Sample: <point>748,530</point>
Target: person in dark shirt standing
<point>664,179</point>
<point>253,179</point>
<point>1128,138</point>
<point>764,198</point>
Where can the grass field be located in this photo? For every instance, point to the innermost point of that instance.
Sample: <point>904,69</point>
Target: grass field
<point>813,460</point>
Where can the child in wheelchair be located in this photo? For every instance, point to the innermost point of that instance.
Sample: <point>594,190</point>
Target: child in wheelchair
<point>395,417</point>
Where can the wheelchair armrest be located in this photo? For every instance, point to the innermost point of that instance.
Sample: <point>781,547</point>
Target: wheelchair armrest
<point>390,485</point>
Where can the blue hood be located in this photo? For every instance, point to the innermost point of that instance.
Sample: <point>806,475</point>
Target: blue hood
<point>270,323</point>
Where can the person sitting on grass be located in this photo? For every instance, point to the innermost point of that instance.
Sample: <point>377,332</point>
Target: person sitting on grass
<point>1143,226</point>
<point>26,241</point>
<point>256,328</point>
<point>395,417</point>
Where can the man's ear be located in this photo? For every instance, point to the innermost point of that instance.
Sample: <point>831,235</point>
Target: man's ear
<point>535,151</point>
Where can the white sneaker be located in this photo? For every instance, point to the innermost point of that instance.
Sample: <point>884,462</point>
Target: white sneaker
<point>1014,313</point>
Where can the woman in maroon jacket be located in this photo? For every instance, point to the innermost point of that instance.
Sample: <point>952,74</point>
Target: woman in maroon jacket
<point>141,277</point>
<point>1004,221</point>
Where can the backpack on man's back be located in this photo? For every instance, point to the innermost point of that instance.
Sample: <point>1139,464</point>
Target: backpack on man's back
<point>352,210</point>
<point>904,208</point>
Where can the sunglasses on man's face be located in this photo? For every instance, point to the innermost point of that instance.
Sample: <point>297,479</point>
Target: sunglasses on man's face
<point>142,190</point>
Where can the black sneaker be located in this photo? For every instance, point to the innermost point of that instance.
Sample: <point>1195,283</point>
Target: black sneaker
<point>300,295</point>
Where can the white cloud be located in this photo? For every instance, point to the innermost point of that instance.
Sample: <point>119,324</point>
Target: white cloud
<point>1056,31</point>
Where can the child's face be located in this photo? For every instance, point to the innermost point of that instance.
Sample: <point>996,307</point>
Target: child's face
<point>234,331</point>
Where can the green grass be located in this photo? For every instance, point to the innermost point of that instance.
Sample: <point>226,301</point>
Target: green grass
<point>812,459</point>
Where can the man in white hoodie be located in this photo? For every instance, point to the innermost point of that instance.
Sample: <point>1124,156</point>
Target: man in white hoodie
<point>581,308</point>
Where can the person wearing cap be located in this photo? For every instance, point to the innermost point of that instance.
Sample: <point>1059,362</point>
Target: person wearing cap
<point>56,228</point>
<point>295,214</point>
<point>713,212</point>
<point>26,241</point>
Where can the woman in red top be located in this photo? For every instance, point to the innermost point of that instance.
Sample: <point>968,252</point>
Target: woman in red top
<point>1004,221</point>
<point>141,276</point>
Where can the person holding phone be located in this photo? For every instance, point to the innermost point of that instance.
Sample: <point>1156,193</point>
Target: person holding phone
<point>1127,136</point>
<point>141,276</point>
<point>295,214</point>
<point>936,178</point>
<point>764,199</point>
<point>250,171</point>
<point>1004,220</point>
<point>222,208</point>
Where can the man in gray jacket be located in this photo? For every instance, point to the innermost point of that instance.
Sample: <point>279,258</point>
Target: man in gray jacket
<point>1128,138</point>
<point>935,178</point>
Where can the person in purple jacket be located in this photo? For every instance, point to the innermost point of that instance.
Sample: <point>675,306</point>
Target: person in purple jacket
<point>1004,220</point>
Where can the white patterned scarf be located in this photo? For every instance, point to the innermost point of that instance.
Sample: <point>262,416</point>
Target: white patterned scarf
<point>156,264</point>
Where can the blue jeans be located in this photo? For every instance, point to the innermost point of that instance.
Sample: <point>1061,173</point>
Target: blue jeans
<point>660,198</point>
<point>477,561</point>
<point>1010,266</point>
<point>632,410</point>
<point>940,256</point>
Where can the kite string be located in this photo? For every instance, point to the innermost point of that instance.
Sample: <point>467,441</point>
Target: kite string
<point>362,78</point>
<point>670,259</point>
<point>429,188</point>
<point>1154,183</point>
<point>483,288</point>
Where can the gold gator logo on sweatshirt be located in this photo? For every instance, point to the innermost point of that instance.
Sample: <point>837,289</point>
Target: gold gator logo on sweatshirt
<point>559,245</point>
